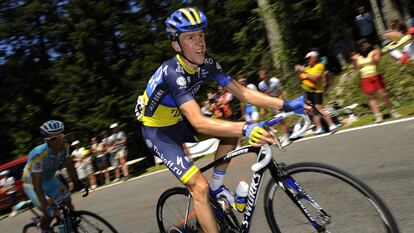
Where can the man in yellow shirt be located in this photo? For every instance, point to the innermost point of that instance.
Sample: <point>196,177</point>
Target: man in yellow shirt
<point>312,79</point>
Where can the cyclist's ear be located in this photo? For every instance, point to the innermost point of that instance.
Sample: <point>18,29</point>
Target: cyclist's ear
<point>176,46</point>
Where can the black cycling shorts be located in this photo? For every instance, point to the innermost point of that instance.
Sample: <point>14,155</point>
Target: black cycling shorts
<point>166,143</point>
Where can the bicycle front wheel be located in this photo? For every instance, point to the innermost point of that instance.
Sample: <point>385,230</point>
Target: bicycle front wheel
<point>85,221</point>
<point>352,205</point>
<point>176,213</point>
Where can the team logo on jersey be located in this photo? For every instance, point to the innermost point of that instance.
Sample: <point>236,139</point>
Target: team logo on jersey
<point>179,69</point>
<point>208,60</point>
<point>37,165</point>
<point>149,143</point>
<point>180,162</point>
<point>218,66</point>
<point>181,81</point>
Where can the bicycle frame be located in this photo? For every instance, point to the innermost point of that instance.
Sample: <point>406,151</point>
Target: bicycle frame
<point>287,183</point>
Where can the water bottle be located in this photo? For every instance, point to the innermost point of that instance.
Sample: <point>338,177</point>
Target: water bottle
<point>240,196</point>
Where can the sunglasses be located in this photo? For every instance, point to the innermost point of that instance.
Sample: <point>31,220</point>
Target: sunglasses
<point>55,138</point>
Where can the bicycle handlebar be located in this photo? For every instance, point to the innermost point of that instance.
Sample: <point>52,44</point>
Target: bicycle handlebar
<point>268,150</point>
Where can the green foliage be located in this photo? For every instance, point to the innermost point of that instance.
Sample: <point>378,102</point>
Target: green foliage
<point>85,61</point>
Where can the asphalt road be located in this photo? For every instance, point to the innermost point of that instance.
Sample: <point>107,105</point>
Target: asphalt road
<point>382,156</point>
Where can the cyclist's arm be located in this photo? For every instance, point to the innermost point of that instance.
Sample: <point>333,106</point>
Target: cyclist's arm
<point>205,125</point>
<point>68,163</point>
<point>254,97</point>
<point>37,186</point>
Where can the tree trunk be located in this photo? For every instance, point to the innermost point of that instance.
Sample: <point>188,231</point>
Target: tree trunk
<point>272,32</point>
<point>379,25</point>
<point>390,12</point>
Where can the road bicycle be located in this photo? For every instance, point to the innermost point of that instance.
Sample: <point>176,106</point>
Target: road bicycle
<point>302,197</point>
<point>69,221</point>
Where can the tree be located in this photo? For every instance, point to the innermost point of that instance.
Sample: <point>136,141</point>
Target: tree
<point>272,32</point>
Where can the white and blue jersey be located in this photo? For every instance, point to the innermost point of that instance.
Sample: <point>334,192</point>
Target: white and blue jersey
<point>41,160</point>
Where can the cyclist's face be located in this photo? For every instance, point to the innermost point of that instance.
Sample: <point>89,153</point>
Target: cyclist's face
<point>56,142</point>
<point>193,45</point>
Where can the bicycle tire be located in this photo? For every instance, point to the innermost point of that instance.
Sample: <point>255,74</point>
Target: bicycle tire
<point>30,227</point>
<point>81,217</point>
<point>171,210</point>
<point>315,178</point>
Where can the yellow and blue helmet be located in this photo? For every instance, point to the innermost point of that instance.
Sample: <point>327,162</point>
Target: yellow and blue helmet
<point>187,19</point>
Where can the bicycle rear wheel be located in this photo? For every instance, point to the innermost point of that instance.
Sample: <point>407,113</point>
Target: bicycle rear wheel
<point>31,228</point>
<point>85,221</point>
<point>352,205</point>
<point>176,213</point>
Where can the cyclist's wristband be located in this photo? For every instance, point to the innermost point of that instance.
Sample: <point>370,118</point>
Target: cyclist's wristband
<point>286,107</point>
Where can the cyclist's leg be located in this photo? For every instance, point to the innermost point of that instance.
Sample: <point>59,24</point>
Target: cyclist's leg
<point>199,190</point>
<point>226,145</point>
<point>166,144</point>
<point>31,194</point>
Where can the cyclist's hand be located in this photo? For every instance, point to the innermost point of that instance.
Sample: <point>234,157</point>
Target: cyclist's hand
<point>256,135</point>
<point>296,105</point>
<point>51,211</point>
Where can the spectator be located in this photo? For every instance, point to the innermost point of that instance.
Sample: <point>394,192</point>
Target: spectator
<point>372,82</point>
<point>205,108</point>
<point>365,24</point>
<point>408,50</point>
<point>273,87</point>
<point>228,105</point>
<point>7,185</point>
<point>101,156</point>
<point>396,31</point>
<point>250,112</point>
<point>312,78</point>
<point>87,166</point>
<point>118,157</point>
<point>76,154</point>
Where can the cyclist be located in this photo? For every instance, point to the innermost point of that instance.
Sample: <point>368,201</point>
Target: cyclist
<point>40,184</point>
<point>169,96</point>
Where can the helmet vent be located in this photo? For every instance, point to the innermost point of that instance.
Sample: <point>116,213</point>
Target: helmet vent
<point>176,19</point>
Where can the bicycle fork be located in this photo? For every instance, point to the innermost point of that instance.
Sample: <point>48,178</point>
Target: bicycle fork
<point>298,195</point>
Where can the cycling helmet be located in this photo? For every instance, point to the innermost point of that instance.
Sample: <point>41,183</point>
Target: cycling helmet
<point>185,20</point>
<point>51,127</point>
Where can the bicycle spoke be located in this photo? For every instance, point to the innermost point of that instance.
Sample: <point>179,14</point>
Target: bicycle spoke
<point>352,206</point>
<point>85,221</point>
<point>174,214</point>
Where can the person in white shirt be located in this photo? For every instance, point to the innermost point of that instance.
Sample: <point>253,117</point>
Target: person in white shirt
<point>273,87</point>
<point>117,143</point>
<point>77,158</point>
<point>7,185</point>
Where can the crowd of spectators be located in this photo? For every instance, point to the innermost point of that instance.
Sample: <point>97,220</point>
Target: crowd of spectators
<point>105,153</point>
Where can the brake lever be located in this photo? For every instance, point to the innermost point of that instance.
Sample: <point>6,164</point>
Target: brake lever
<point>275,137</point>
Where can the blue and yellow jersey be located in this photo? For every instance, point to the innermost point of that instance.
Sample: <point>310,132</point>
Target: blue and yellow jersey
<point>174,84</point>
<point>42,160</point>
